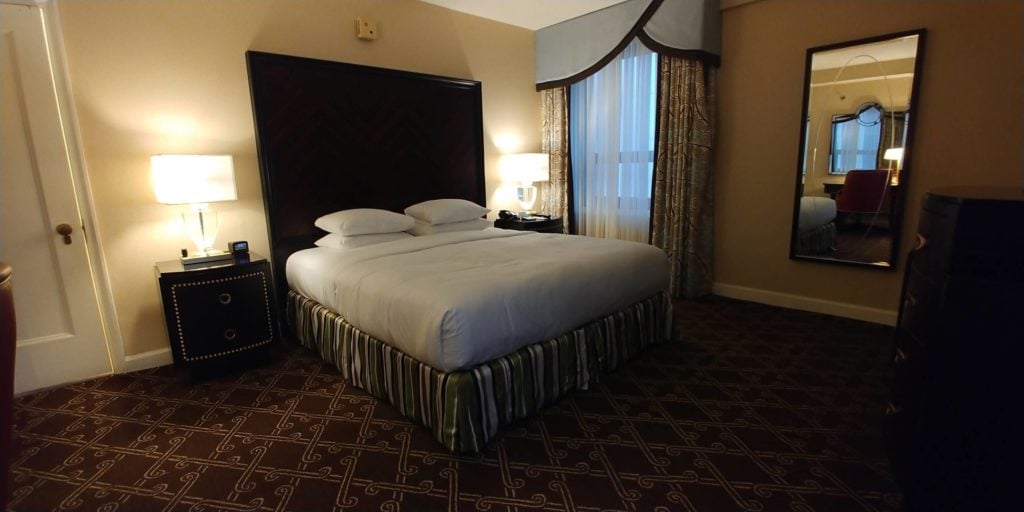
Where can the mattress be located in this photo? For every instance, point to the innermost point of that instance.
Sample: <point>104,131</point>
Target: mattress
<point>815,212</point>
<point>455,300</point>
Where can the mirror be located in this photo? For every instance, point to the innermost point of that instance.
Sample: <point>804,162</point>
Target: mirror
<point>854,154</point>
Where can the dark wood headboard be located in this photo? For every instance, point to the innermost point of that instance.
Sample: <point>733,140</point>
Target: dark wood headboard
<point>332,136</point>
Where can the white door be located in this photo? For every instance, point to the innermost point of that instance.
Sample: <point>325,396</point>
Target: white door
<point>60,333</point>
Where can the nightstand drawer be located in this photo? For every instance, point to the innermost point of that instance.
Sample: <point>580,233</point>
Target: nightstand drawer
<point>908,380</point>
<point>922,306</point>
<point>932,243</point>
<point>221,316</point>
<point>907,346</point>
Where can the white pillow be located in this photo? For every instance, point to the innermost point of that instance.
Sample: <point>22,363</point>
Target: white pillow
<point>351,242</point>
<point>445,211</point>
<point>422,228</point>
<point>362,221</point>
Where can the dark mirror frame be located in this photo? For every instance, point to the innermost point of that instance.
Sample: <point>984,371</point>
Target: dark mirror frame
<point>898,198</point>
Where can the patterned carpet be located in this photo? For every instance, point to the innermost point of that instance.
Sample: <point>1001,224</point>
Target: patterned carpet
<point>852,244</point>
<point>758,409</point>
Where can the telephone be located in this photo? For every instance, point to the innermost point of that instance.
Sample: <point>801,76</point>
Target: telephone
<point>507,215</point>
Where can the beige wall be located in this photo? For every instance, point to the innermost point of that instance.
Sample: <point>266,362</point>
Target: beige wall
<point>969,127</point>
<point>169,76</point>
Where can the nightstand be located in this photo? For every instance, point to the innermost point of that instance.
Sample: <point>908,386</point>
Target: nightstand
<point>552,225</point>
<point>219,315</point>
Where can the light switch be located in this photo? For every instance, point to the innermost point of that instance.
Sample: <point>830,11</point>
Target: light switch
<point>366,29</point>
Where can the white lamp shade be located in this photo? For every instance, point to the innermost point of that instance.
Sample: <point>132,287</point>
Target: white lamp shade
<point>525,167</point>
<point>893,154</point>
<point>193,179</point>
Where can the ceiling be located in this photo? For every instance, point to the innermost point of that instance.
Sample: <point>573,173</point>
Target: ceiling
<point>894,49</point>
<point>531,14</point>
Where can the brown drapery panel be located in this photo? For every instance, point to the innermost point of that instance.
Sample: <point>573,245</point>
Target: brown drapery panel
<point>894,126</point>
<point>555,142</point>
<point>681,215</point>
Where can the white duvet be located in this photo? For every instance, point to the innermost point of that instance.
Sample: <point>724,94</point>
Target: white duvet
<point>815,212</point>
<point>455,300</point>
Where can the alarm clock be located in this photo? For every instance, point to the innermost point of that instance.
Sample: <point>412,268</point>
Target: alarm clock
<point>239,247</point>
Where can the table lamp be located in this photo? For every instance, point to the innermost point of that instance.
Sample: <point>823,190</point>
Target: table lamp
<point>526,168</point>
<point>196,180</point>
<point>894,154</point>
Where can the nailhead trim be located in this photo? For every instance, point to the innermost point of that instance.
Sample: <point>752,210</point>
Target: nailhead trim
<point>181,332</point>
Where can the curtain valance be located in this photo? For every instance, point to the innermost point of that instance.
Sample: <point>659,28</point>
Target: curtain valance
<point>573,50</point>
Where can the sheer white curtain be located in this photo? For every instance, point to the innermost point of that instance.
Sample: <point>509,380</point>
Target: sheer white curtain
<point>857,141</point>
<point>612,132</point>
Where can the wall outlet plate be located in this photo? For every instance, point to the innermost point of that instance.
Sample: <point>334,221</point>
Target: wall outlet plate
<point>366,29</point>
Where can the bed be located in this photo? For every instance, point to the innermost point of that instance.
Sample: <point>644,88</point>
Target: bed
<point>816,227</point>
<point>333,136</point>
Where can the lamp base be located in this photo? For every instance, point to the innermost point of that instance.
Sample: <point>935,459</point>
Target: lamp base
<point>206,257</point>
<point>527,195</point>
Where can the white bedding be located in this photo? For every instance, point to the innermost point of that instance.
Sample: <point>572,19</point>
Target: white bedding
<point>815,212</point>
<point>454,300</point>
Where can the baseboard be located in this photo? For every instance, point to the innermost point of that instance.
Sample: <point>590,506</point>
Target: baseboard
<point>147,360</point>
<point>786,300</point>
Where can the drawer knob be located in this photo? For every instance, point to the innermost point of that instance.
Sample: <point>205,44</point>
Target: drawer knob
<point>911,300</point>
<point>921,242</point>
<point>224,298</point>
<point>892,409</point>
<point>230,334</point>
<point>900,356</point>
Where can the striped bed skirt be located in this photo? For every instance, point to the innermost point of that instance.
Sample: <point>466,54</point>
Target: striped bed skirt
<point>465,409</point>
<point>820,240</point>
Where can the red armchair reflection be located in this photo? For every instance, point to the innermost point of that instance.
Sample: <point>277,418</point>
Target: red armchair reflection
<point>864,192</point>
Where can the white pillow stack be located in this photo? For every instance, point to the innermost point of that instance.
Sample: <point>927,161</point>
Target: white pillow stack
<point>364,221</point>
<point>446,215</point>
<point>360,227</point>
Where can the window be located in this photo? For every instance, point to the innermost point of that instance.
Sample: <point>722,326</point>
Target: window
<point>856,139</point>
<point>611,128</point>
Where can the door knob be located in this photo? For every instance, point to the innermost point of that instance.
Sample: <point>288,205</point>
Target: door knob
<point>64,230</point>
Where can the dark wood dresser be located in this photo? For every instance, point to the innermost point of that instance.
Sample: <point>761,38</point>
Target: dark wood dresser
<point>952,423</point>
<point>8,347</point>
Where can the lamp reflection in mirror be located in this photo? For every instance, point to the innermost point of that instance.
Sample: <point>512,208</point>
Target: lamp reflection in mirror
<point>196,180</point>
<point>526,168</point>
<point>894,155</point>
